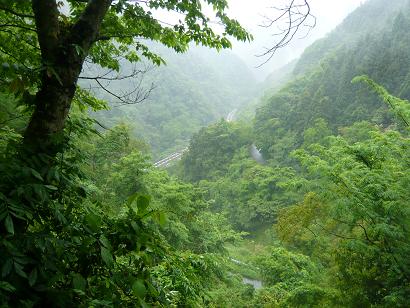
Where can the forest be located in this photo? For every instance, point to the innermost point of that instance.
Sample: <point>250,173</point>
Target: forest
<point>293,191</point>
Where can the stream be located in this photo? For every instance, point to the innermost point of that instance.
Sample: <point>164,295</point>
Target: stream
<point>257,284</point>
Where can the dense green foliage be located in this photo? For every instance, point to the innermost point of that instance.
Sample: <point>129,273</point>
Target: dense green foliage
<point>326,91</point>
<point>336,178</point>
<point>80,226</point>
<point>100,243</point>
<point>322,221</point>
<point>345,242</point>
<point>369,18</point>
<point>212,150</point>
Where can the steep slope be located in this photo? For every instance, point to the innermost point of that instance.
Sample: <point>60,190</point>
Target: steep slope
<point>271,85</point>
<point>339,207</point>
<point>191,91</point>
<point>325,89</point>
<point>370,18</point>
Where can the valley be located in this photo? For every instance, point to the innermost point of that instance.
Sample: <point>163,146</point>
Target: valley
<point>143,164</point>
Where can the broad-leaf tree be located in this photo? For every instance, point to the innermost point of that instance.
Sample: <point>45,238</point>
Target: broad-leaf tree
<point>57,37</point>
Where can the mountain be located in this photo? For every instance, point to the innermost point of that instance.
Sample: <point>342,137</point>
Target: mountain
<point>370,18</point>
<point>272,84</point>
<point>322,87</point>
<point>190,91</point>
<point>329,204</point>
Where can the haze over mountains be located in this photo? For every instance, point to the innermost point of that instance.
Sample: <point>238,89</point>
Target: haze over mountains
<point>190,91</point>
<point>287,192</point>
<point>328,211</point>
<point>202,86</point>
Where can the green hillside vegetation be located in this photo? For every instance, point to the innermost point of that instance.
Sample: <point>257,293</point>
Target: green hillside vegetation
<point>340,217</point>
<point>370,18</point>
<point>191,91</point>
<point>335,185</point>
<point>272,84</point>
<point>327,92</point>
<point>86,220</point>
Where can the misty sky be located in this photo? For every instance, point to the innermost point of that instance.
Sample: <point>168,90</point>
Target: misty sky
<point>329,13</point>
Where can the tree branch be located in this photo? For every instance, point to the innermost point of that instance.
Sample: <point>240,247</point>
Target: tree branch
<point>15,13</point>
<point>16,37</point>
<point>108,75</point>
<point>294,17</point>
<point>17,26</point>
<point>136,95</point>
<point>85,31</point>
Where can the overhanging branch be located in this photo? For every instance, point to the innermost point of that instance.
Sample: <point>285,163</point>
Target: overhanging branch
<point>105,82</point>
<point>290,21</point>
<point>48,28</point>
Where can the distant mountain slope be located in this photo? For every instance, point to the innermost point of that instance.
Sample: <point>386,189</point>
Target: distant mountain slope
<point>191,91</point>
<point>325,91</point>
<point>370,18</point>
<point>272,84</point>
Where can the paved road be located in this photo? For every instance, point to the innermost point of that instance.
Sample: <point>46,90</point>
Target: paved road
<point>257,284</point>
<point>167,161</point>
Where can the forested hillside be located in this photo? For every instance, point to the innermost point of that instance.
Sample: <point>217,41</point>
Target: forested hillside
<point>272,84</point>
<point>363,36</point>
<point>190,91</point>
<point>335,175</point>
<point>325,90</point>
<point>370,18</point>
<point>303,202</point>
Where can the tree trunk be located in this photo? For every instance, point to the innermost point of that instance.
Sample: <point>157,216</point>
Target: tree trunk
<point>63,51</point>
<point>44,133</point>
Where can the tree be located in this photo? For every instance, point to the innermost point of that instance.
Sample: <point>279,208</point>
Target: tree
<point>58,37</point>
<point>357,208</point>
<point>99,31</point>
<point>292,18</point>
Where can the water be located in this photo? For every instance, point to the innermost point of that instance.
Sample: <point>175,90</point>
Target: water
<point>257,284</point>
<point>257,155</point>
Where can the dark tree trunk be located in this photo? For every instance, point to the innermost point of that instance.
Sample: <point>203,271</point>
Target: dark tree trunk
<point>52,105</point>
<point>63,51</point>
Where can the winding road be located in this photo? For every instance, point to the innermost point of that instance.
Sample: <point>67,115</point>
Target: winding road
<point>167,161</point>
<point>256,155</point>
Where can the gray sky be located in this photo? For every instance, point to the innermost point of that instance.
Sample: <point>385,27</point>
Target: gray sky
<point>328,13</point>
<point>250,13</point>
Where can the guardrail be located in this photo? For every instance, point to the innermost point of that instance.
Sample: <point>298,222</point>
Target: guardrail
<point>165,162</point>
<point>169,159</point>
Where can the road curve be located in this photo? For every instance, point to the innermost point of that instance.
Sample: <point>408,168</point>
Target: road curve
<point>231,116</point>
<point>167,161</point>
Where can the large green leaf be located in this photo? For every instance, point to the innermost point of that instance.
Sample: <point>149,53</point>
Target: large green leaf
<point>79,282</point>
<point>105,242</point>
<point>32,277</point>
<point>8,223</point>
<point>143,204</point>
<point>139,289</point>
<point>4,285</point>
<point>107,256</point>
